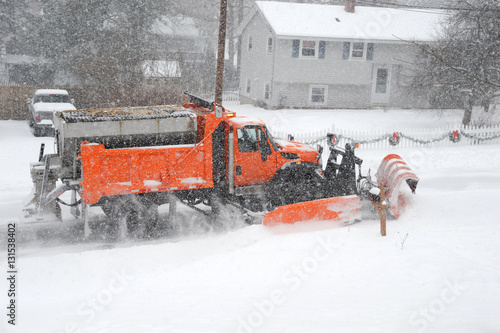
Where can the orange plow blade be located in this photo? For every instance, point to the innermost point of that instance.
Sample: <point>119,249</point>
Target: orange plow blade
<point>339,209</point>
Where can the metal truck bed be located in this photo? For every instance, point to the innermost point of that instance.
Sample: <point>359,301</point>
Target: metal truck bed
<point>120,128</point>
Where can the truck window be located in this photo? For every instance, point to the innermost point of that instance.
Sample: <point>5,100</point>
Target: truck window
<point>265,148</point>
<point>271,139</point>
<point>52,99</point>
<point>247,140</point>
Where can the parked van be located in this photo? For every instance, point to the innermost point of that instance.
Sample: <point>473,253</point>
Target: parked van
<point>43,105</point>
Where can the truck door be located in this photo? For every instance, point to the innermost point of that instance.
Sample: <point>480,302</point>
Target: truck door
<point>254,158</point>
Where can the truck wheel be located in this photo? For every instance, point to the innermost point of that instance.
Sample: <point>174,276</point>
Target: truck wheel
<point>119,220</point>
<point>150,220</point>
<point>135,217</point>
<point>294,184</point>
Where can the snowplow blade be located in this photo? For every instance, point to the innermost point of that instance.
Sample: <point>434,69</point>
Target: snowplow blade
<point>392,172</point>
<point>338,209</point>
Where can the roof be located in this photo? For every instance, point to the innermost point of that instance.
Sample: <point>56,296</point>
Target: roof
<point>333,22</point>
<point>161,68</point>
<point>176,26</point>
<point>51,92</point>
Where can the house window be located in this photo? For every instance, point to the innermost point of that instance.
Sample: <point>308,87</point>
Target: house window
<point>250,43</point>
<point>318,95</point>
<point>248,86</point>
<point>267,91</point>
<point>358,50</point>
<point>308,49</point>
<point>270,45</point>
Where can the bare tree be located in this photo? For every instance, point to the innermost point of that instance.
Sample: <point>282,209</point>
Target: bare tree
<point>464,64</point>
<point>100,42</point>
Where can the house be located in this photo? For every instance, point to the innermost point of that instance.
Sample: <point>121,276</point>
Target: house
<point>324,56</point>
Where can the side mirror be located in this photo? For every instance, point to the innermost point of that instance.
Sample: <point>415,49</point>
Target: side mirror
<point>72,101</point>
<point>28,101</point>
<point>263,156</point>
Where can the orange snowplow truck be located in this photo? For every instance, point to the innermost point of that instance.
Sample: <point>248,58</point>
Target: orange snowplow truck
<point>234,158</point>
<point>232,155</point>
<point>129,161</point>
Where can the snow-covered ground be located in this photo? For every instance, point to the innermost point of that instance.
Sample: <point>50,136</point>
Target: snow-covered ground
<point>437,270</point>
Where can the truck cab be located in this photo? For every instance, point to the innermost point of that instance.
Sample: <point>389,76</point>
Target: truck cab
<point>250,164</point>
<point>43,105</point>
<point>258,156</point>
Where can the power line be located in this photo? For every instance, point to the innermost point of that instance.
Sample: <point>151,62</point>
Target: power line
<point>402,6</point>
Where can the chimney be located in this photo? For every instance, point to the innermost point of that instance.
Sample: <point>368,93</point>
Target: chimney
<point>350,6</point>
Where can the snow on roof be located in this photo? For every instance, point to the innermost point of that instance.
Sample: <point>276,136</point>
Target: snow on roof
<point>51,92</point>
<point>327,21</point>
<point>161,68</point>
<point>176,26</point>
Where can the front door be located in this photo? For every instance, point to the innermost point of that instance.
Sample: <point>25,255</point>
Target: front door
<point>254,159</point>
<point>381,84</point>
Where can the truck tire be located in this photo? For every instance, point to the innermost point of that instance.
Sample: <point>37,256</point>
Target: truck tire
<point>132,216</point>
<point>296,183</point>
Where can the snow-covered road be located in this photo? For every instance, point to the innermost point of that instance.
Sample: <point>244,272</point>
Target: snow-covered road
<point>437,270</point>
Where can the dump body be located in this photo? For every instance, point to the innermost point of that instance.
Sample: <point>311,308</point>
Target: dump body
<point>110,172</point>
<point>120,128</point>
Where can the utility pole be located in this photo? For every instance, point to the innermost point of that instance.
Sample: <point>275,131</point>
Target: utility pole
<point>221,49</point>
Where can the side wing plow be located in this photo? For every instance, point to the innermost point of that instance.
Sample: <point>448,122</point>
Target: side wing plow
<point>392,172</point>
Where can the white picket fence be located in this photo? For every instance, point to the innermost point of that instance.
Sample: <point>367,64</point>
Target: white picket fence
<point>231,98</point>
<point>228,97</point>
<point>453,135</point>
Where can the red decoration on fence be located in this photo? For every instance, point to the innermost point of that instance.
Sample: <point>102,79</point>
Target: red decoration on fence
<point>455,136</point>
<point>395,139</point>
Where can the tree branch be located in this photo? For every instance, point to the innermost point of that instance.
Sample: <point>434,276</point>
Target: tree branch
<point>447,64</point>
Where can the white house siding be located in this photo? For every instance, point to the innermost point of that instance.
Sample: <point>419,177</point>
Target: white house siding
<point>349,82</point>
<point>256,64</point>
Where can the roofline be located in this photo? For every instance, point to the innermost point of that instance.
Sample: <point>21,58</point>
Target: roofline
<point>338,39</point>
<point>255,9</point>
<point>249,17</point>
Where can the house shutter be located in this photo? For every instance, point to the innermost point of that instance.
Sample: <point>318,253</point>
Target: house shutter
<point>295,48</point>
<point>321,49</point>
<point>369,51</point>
<point>347,49</point>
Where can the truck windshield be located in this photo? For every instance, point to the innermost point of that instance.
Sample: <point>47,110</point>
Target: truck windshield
<point>52,99</point>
